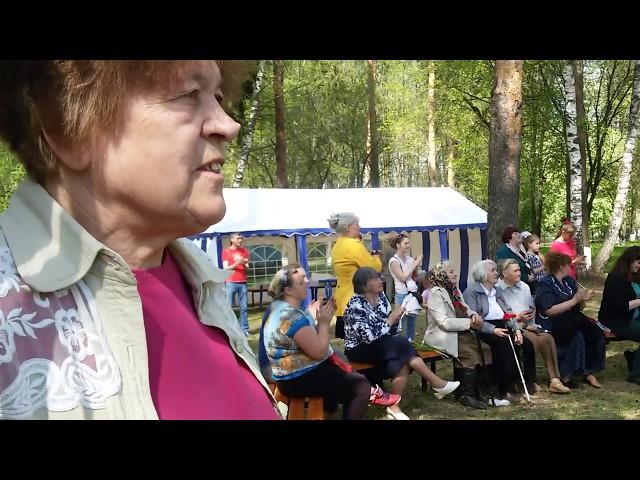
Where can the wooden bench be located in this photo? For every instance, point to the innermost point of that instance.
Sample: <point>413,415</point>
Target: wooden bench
<point>260,289</point>
<point>608,336</point>
<point>427,356</point>
<point>314,406</point>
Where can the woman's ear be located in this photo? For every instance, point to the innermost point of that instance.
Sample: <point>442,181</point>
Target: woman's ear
<point>51,122</point>
<point>71,156</point>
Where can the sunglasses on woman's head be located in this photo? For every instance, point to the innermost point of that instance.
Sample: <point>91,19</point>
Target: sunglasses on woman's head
<point>284,275</point>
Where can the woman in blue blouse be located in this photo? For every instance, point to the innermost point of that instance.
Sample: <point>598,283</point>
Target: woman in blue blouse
<point>581,345</point>
<point>303,364</point>
<point>371,337</point>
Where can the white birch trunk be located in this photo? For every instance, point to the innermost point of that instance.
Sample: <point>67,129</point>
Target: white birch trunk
<point>623,180</point>
<point>251,126</point>
<point>575,165</point>
<point>431,129</point>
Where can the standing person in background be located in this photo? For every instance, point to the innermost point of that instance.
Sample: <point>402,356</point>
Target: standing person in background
<point>566,244</point>
<point>348,255</point>
<point>236,258</point>
<point>512,248</point>
<point>402,267</point>
<point>531,243</point>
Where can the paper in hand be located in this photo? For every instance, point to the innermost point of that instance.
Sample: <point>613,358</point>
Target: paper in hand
<point>411,305</point>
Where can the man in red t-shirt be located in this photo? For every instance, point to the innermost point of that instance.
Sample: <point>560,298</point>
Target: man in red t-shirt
<point>236,258</point>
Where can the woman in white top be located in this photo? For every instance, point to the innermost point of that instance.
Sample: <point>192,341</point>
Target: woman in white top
<point>401,267</point>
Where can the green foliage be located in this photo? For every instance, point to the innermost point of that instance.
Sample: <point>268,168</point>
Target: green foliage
<point>326,114</point>
<point>11,172</point>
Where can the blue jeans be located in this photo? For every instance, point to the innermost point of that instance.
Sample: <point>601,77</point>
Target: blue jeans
<point>241,290</point>
<point>409,321</point>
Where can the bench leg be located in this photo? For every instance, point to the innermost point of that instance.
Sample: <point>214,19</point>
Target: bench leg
<point>316,409</point>
<point>296,409</point>
<point>432,366</point>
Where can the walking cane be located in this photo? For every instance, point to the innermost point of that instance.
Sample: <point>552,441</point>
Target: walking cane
<point>400,320</point>
<point>515,356</point>
<point>484,368</point>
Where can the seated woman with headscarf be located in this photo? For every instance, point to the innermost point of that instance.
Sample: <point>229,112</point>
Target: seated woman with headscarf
<point>449,325</point>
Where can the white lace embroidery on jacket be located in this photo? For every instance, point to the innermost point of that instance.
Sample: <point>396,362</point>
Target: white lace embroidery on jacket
<point>53,352</point>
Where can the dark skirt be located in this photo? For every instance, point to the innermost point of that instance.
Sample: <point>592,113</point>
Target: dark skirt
<point>581,345</point>
<point>389,354</point>
<point>582,356</point>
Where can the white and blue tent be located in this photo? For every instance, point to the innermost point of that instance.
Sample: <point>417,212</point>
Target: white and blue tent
<point>442,224</point>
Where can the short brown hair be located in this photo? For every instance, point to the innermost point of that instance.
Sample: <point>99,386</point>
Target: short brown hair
<point>75,99</point>
<point>553,261</point>
<point>508,232</point>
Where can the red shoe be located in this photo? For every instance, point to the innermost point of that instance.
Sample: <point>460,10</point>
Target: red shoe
<point>380,397</point>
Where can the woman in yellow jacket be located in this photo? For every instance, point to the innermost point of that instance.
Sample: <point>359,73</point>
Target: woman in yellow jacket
<point>348,255</point>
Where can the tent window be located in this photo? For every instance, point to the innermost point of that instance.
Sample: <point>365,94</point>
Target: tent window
<point>266,260</point>
<point>319,257</point>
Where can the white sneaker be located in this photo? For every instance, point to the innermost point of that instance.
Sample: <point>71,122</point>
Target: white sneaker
<point>396,415</point>
<point>446,390</point>
<point>499,402</point>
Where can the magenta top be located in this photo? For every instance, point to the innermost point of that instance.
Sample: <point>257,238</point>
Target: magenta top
<point>193,372</point>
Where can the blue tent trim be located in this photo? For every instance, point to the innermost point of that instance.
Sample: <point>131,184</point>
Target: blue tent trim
<point>328,231</point>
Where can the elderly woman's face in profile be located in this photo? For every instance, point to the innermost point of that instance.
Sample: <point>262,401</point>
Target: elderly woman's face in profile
<point>165,163</point>
<point>492,273</point>
<point>452,275</point>
<point>375,284</point>
<point>512,273</point>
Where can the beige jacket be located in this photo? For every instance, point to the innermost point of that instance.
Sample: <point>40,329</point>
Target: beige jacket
<point>72,338</point>
<point>442,324</point>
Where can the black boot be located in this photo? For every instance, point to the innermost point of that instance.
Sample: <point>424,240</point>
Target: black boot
<point>632,361</point>
<point>468,383</point>
<point>629,356</point>
<point>485,389</point>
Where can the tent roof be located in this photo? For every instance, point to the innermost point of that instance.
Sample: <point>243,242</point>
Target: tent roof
<point>305,211</point>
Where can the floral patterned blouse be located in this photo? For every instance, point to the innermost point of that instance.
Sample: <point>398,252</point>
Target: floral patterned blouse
<point>365,323</point>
